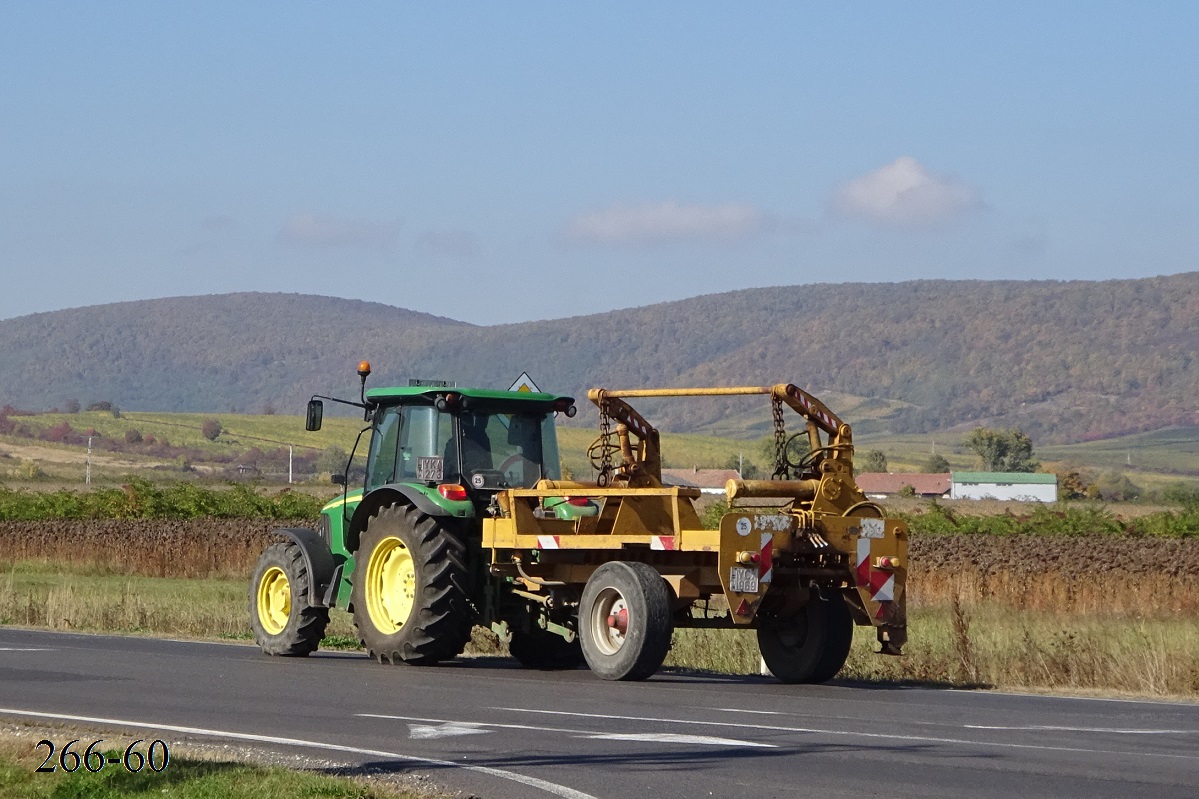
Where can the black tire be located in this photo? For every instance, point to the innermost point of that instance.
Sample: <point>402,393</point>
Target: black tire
<point>280,616</point>
<point>411,605</point>
<point>545,651</point>
<point>645,600</point>
<point>810,647</point>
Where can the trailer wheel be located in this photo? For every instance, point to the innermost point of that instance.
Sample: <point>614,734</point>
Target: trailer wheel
<point>624,621</point>
<point>810,647</point>
<point>409,595</point>
<point>545,650</point>
<point>280,616</point>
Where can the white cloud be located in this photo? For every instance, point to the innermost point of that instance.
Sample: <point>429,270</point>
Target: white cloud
<point>904,193</point>
<point>314,230</point>
<point>652,223</point>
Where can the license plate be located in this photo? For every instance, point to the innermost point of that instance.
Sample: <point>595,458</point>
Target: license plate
<point>743,581</point>
<point>430,469</point>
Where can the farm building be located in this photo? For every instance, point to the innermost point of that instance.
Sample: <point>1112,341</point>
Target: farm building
<point>880,485</point>
<point>709,481</point>
<point>1004,485</point>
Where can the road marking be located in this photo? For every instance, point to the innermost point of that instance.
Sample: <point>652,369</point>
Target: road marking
<point>853,734</point>
<point>447,730</point>
<point>1114,730</point>
<point>671,738</point>
<point>25,649</point>
<point>658,737</point>
<point>532,782</point>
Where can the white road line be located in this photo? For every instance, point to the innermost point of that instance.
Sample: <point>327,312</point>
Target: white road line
<point>25,649</point>
<point>1114,730</point>
<point>669,738</point>
<point>533,782</point>
<point>853,734</point>
<point>660,737</point>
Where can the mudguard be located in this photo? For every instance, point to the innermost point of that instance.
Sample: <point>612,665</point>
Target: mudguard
<point>322,569</point>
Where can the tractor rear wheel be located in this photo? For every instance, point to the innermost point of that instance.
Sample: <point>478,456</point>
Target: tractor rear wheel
<point>624,621</point>
<point>280,616</point>
<point>544,650</point>
<point>811,646</point>
<point>409,588</point>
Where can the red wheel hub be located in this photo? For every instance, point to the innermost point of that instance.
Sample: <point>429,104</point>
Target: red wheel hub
<point>619,621</point>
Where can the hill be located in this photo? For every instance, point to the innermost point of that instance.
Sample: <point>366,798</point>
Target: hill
<point>1066,361</point>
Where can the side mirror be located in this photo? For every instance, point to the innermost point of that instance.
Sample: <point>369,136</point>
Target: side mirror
<point>338,479</point>
<point>316,412</point>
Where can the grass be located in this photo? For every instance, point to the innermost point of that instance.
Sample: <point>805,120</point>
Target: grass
<point>39,594</point>
<point>1137,635</point>
<point>192,773</point>
<point>979,643</point>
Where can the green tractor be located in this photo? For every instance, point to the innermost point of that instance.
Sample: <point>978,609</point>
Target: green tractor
<point>402,552</point>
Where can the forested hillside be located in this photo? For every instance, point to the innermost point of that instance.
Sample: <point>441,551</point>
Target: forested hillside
<point>1063,360</point>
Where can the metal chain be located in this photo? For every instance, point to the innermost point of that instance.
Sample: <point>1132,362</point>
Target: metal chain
<point>605,472</point>
<point>781,472</point>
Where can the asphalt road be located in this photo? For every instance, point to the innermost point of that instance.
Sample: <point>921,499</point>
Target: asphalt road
<point>490,728</point>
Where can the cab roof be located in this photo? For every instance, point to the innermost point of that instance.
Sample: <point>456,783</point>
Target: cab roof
<point>423,394</point>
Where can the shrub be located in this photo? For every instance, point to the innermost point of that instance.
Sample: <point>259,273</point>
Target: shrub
<point>141,499</point>
<point>210,429</point>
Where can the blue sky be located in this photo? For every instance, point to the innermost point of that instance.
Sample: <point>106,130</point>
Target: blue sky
<point>498,162</point>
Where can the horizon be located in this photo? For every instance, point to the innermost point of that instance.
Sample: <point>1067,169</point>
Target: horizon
<point>615,309</point>
<point>510,162</point>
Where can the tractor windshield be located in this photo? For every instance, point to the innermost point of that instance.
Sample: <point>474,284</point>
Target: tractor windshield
<point>507,450</point>
<point>484,450</point>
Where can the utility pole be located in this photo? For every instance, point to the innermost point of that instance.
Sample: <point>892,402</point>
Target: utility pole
<point>290,449</point>
<point>87,479</point>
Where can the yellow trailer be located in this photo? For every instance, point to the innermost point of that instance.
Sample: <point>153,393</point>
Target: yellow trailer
<point>800,558</point>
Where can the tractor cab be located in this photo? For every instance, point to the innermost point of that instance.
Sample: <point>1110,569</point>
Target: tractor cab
<point>463,442</point>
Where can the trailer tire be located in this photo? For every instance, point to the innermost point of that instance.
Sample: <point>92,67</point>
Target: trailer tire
<point>545,650</point>
<point>625,621</point>
<point>282,621</point>
<point>811,646</point>
<point>409,588</point>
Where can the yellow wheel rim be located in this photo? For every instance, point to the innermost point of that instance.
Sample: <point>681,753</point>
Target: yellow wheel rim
<point>274,600</point>
<point>390,585</point>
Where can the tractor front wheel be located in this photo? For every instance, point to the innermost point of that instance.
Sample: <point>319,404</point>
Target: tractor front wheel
<point>811,646</point>
<point>624,621</point>
<point>280,616</point>
<point>409,588</point>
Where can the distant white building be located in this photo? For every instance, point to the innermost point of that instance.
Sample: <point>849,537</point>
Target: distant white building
<point>1022,486</point>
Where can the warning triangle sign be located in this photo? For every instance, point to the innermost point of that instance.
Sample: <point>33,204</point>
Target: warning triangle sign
<point>525,384</point>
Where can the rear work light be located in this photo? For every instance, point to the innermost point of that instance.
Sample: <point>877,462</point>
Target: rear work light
<point>452,492</point>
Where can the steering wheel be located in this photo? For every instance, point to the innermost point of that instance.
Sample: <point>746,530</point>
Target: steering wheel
<point>512,460</point>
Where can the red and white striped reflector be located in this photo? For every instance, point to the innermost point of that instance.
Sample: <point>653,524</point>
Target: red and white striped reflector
<point>881,584</point>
